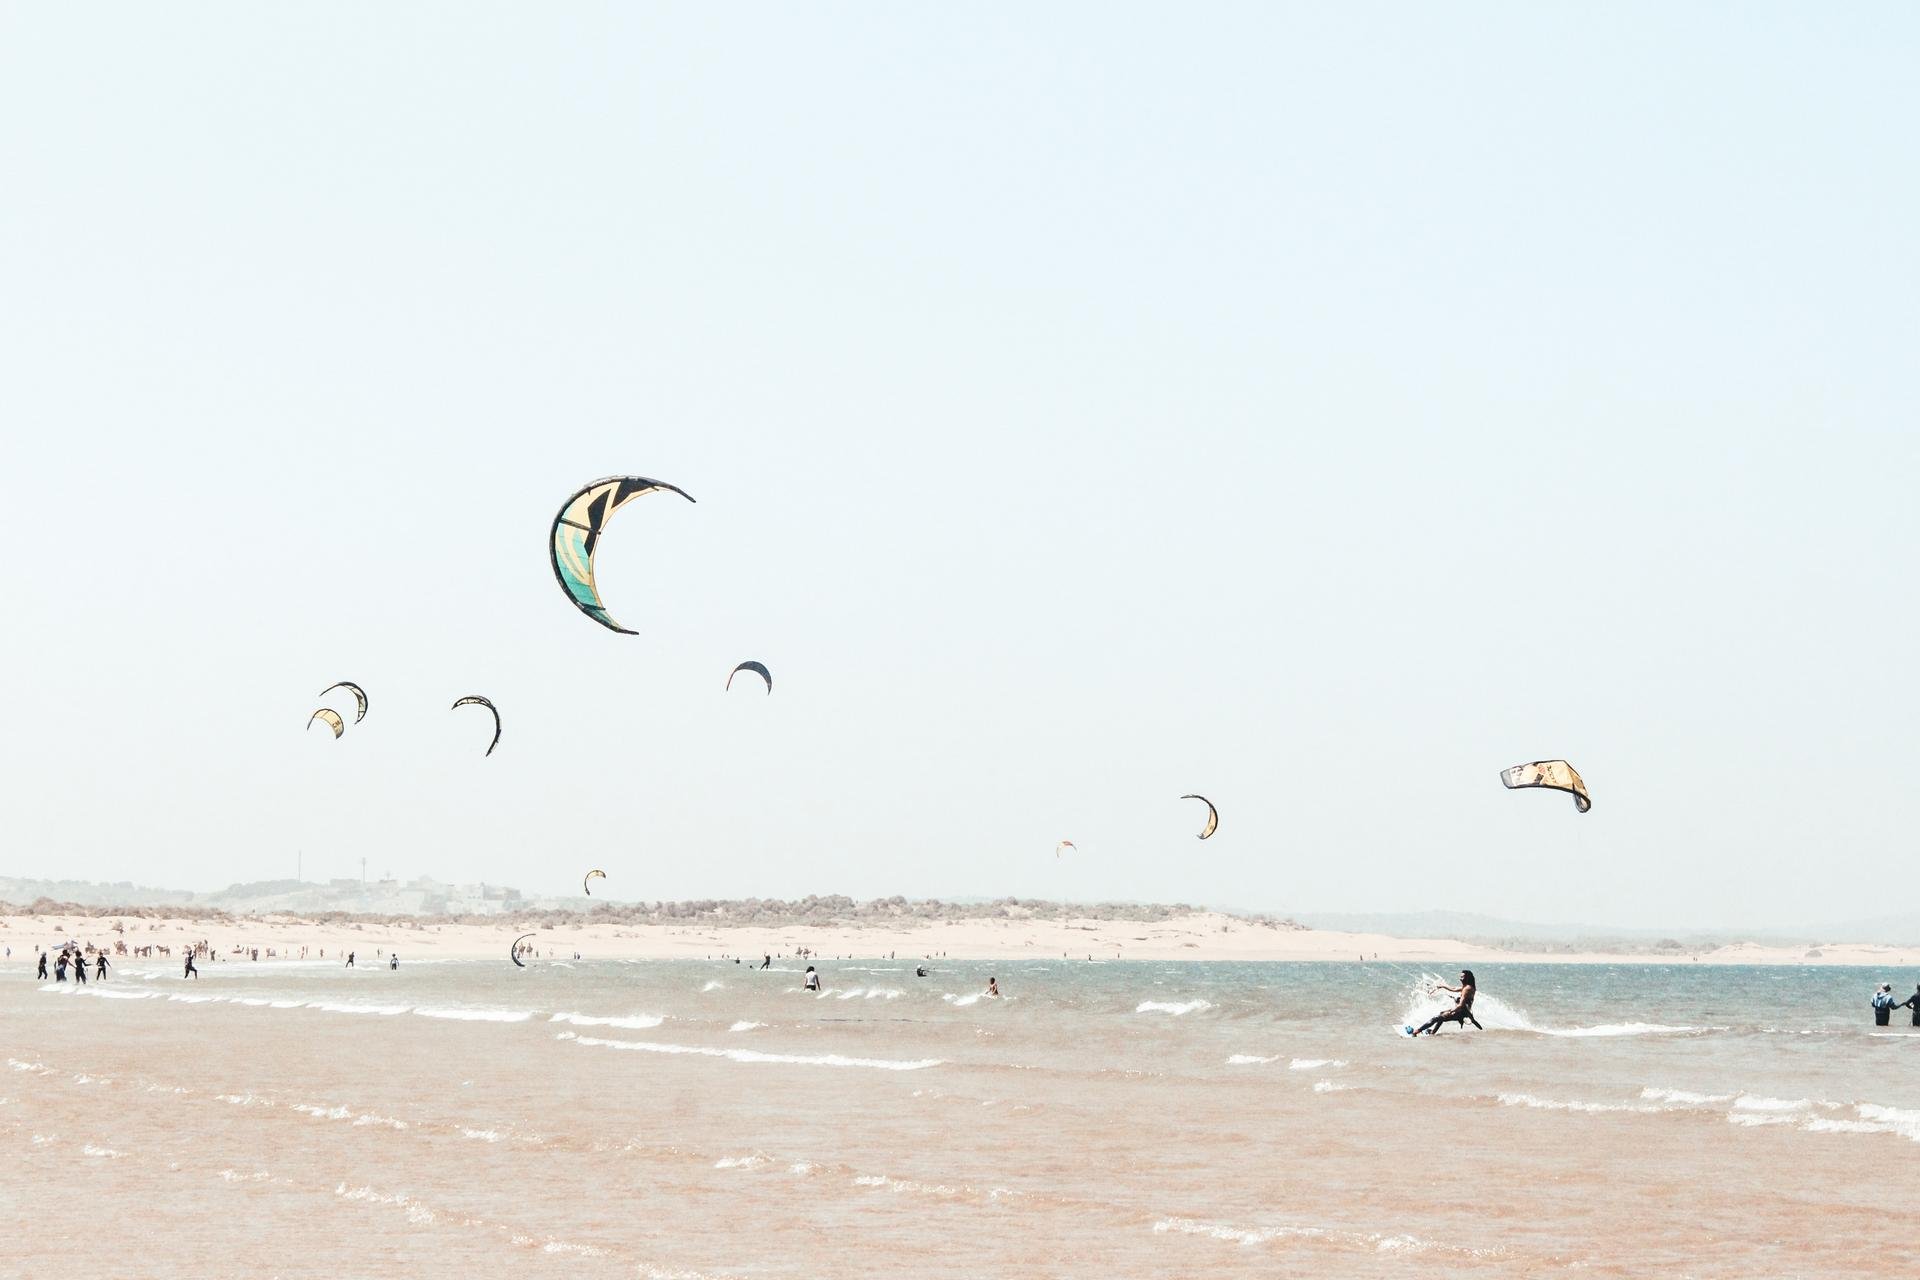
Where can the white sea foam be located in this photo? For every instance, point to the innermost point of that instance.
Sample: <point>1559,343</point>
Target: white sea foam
<point>1314,1064</point>
<point>757,1056</point>
<point>1329,1086</point>
<point>1232,1234</point>
<point>1901,1120</point>
<point>322,1113</point>
<point>108,1152</point>
<point>1686,1098</point>
<point>177,998</point>
<point>907,1185</point>
<point>388,1122</point>
<point>746,1026</point>
<point>382,1010</point>
<point>416,1212</point>
<point>637,1022</point>
<point>1759,1102</point>
<point>753,1161</point>
<point>475,1015</point>
<point>1250,1060</point>
<point>1556,1104</point>
<point>962,1001</point>
<point>714,986</point>
<point>1622,1029</point>
<point>1177,1010</point>
<point>482,1135</point>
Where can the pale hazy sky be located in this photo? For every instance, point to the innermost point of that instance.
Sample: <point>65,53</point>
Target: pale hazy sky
<point>1320,407</point>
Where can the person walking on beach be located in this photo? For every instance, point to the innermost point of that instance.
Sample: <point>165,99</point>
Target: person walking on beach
<point>1883,1005</point>
<point>813,979</point>
<point>42,975</point>
<point>100,966</point>
<point>190,971</point>
<point>1462,1011</point>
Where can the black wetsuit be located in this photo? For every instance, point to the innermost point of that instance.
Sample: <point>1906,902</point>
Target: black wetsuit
<point>1912,1002</point>
<point>100,966</point>
<point>191,972</point>
<point>80,969</point>
<point>43,964</point>
<point>1461,1013</point>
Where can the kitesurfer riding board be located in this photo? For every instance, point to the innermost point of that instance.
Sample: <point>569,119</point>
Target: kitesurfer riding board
<point>1462,1011</point>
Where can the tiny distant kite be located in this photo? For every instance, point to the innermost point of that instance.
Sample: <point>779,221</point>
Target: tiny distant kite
<point>329,718</point>
<point>758,668</point>
<point>1064,844</point>
<point>1213,815</point>
<point>478,701</point>
<point>590,875</point>
<point>514,954</point>
<point>1555,775</point>
<point>359,697</point>
<point>576,532</point>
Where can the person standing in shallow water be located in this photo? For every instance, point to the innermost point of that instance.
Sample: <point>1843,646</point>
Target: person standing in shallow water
<point>1883,1005</point>
<point>190,971</point>
<point>100,967</point>
<point>43,965</point>
<point>813,979</point>
<point>60,966</point>
<point>1912,1002</point>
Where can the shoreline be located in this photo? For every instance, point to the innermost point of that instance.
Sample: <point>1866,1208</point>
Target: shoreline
<point>1202,936</point>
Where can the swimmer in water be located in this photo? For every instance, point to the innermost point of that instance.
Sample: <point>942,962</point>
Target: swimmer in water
<point>813,979</point>
<point>993,987</point>
<point>1462,1011</point>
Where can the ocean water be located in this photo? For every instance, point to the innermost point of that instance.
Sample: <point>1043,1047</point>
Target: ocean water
<point>682,1119</point>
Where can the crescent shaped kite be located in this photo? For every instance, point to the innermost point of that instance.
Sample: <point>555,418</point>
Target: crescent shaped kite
<point>576,532</point>
<point>479,701</point>
<point>359,697</point>
<point>1213,815</point>
<point>1555,775</point>
<point>590,875</point>
<point>513,953</point>
<point>1064,844</point>
<point>758,668</point>
<point>330,718</point>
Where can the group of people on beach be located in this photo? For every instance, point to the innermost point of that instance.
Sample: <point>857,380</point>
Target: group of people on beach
<point>72,956</point>
<point>1884,1004</point>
